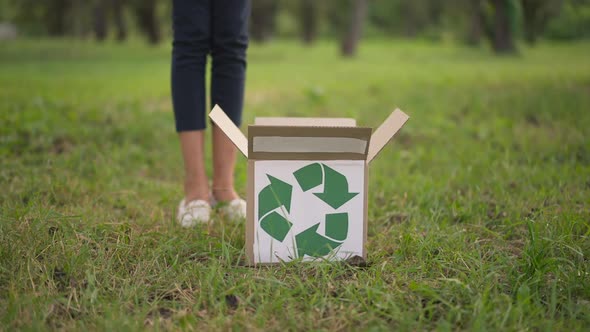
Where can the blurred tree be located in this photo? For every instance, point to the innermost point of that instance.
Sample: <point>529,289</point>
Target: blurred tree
<point>55,14</point>
<point>351,37</point>
<point>102,11</point>
<point>100,19</point>
<point>409,18</point>
<point>263,19</point>
<point>384,16</point>
<point>308,14</point>
<point>147,19</point>
<point>435,11</point>
<point>503,37</point>
<point>573,21</point>
<point>476,22</point>
<point>80,19</point>
<point>536,15</point>
<point>119,19</point>
<point>418,16</point>
<point>413,18</point>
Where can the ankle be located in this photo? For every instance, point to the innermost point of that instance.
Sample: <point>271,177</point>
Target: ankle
<point>193,193</point>
<point>189,197</point>
<point>222,194</point>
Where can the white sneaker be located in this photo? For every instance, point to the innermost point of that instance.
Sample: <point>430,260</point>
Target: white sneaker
<point>193,212</point>
<point>234,209</point>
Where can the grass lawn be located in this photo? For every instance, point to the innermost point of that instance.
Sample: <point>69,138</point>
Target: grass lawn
<point>479,211</point>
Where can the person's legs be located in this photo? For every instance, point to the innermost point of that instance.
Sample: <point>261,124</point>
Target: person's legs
<point>196,184</point>
<point>192,37</point>
<point>228,50</point>
<point>224,160</point>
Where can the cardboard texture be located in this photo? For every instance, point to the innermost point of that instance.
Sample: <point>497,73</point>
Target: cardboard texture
<point>386,131</point>
<point>306,122</point>
<point>308,143</point>
<point>307,194</point>
<point>218,116</point>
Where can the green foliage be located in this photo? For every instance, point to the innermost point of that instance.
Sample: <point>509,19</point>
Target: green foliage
<point>408,18</point>
<point>572,23</point>
<point>478,209</point>
<point>430,19</point>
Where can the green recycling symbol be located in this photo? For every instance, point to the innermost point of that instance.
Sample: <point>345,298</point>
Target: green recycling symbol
<point>278,195</point>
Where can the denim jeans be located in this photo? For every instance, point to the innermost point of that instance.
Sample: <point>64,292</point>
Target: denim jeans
<point>203,27</point>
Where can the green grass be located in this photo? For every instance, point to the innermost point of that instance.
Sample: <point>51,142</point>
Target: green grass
<point>479,211</point>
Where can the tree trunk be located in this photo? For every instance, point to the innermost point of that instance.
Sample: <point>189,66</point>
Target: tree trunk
<point>408,16</point>
<point>119,18</point>
<point>435,12</point>
<point>309,21</point>
<point>100,20</point>
<point>352,36</point>
<point>79,20</point>
<point>502,42</point>
<point>262,19</point>
<point>529,13</point>
<point>477,22</point>
<point>56,17</point>
<point>148,20</point>
<point>536,14</point>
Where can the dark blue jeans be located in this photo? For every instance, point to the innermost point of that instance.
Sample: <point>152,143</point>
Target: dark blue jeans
<point>202,27</point>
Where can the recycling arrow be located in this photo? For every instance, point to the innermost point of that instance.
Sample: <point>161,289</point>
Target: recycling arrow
<point>276,225</point>
<point>311,243</point>
<point>335,192</point>
<point>335,189</point>
<point>337,226</point>
<point>275,195</point>
<point>309,176</point>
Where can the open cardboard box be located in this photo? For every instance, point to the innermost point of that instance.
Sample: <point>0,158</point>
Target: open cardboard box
<point>307,184</point>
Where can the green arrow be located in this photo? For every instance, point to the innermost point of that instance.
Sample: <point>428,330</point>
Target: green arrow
<point>274,195</point>
<point>309,176</point>
<point>337,226</point>
<point>335,189</point>
<point>309,242</point>
<point>276,226</point>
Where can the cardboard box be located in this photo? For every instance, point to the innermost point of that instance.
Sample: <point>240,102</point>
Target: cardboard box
<point>307,184</point>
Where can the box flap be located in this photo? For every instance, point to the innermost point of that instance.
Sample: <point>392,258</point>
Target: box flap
<point>308,143</point>
<point>305,122</point>
<point>385,132</point>
<point>218,116</point>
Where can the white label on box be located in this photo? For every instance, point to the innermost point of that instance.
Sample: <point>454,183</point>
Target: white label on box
<point>308,209</point>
